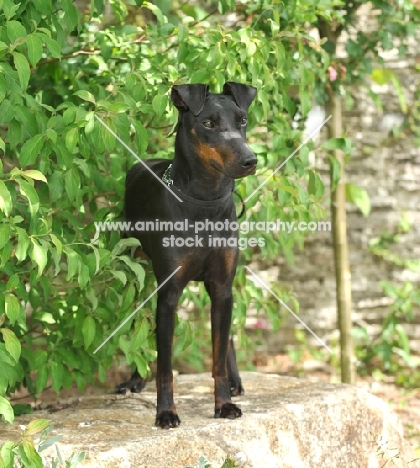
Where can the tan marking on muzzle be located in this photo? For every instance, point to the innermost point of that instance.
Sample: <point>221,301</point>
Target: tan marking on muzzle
<point>208,153</point>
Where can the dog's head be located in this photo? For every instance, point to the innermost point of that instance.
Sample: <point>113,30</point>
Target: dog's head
<point>213,126</point>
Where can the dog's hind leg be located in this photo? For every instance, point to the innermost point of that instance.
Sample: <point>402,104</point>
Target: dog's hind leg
<point>135,384</point>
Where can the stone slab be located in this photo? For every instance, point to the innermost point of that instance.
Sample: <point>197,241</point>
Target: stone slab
<point>286,423</point>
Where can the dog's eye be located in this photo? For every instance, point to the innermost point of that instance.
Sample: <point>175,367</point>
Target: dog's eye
<point>208,124</point>
<point>244,121</point>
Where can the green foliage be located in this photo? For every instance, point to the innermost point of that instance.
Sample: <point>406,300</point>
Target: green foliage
<point>65,287</point>
<point>25,454</point>
<point>389,352</point>
<point>411,125</point>
<point>228,463</point>
<point>358,196</point>
<point>391,28</point>
<point>384,76</point>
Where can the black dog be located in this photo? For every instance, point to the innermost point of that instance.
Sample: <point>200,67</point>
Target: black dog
<point>210,152</point>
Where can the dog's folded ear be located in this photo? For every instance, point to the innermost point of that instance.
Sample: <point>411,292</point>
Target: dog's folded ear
<point>242,94</point>
<point>189,97</point>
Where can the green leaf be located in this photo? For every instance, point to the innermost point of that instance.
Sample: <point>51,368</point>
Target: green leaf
<point>15,30</point>
<point>72,263</point>
<point>22,243</point>
<point>202,75</point>
<point>30,150</point>
<point>6,410</point>
<point>71,17</point>
<point>34,174</point>
<point>36,426</point>
<point>51,135</point>
<point>121,276</point>
<point>141,138</point>
<point>4,234</point>
<point>141,364</point>
<point>12,307</point>
<point>72,137</point>
<point>315,185</point>
<point>13,282</point>
<point>22,67</point>
<point>49,442</point>
<point>9,8</point>
<point>123,244</point>
<point>3,91</point>
<point>30,193</point>
<point>107,137</point>
<point>84,276</point>
<point>11,343</point>
<point>41,379</point>
<point>401,96</point>
<point>119,107</point>
<point>43,6</point>
<point>34,45</point>
<point>39,256</point>
<point>86,96</point>
<point>335,170</point>
<point>141,332</point>
<point>58,244</point>
<point>20,409</point>
<point>7,455</point>
<point>128,296</point>
<point>33,458</point>
<point>55,186</point>
<point>135,267</point>
<point>58,375</point>
<point>359,197</point>
<point>334,144</point>
<point>52,46</point>
<point>159,104</point>
<point>72,183</point>
<point>381,76</point>
<point>5,199</point>
<point>88,331</point>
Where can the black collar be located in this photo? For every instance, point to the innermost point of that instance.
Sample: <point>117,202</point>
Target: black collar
<point>170,183</point>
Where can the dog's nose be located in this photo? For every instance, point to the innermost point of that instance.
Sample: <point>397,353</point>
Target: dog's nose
<point>249,162</point>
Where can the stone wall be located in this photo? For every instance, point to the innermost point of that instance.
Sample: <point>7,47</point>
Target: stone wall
<point>390,172</point>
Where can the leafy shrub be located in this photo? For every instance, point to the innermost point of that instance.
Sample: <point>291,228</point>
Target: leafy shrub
<point>389,352</point>
<point>65,287</point>
<point>24,453</point>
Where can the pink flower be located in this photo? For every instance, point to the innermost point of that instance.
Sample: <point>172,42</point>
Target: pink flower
<point>261,324</point>
<point>333,73</point>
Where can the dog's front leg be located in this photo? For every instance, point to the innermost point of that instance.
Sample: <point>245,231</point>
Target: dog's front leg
<point>221,315</point>
<point>166,416</point>
<point>233,373</point>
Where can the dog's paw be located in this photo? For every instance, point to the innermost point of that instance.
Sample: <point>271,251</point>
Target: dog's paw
<point>167,420</point>
<point>135,385</point>
<point>228,411</point>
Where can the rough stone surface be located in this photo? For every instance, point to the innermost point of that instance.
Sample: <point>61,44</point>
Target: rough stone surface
<point>287,422</point>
